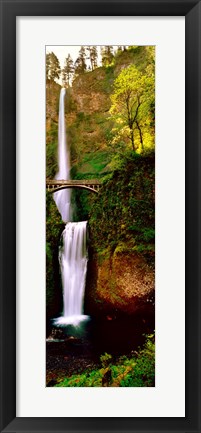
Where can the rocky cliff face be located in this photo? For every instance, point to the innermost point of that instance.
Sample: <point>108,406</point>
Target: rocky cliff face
<point>119,283</point>
<point>88,94</point>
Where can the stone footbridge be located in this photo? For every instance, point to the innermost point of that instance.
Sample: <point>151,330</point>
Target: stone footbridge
<point>92,185</point>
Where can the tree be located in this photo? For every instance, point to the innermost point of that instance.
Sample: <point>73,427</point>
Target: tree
<point>107,55</point>
<point>80,63</point>
<point>68,70</point>
<point>132,103</point>
<point>47,65</point>
<point>53,69</point>
<point>92,56</point>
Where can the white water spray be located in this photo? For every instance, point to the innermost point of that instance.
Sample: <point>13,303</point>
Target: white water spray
<point>73,253</point>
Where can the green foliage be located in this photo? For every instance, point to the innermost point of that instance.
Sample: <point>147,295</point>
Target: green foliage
<point>135,371</point>
<point>51,156</point>
<point>143,373</point>
<point>105,359</point>
<point>82,200</point>
<point>88,135</point>
<point>93,166</point>
<point>94,163</point>
<point>124,208</point>
<point>54,228</point>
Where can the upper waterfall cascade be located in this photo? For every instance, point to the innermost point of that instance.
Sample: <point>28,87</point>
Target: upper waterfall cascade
<point>63,198</point>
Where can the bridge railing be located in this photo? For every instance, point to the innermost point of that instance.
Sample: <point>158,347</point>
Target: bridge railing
<point>73,182</point>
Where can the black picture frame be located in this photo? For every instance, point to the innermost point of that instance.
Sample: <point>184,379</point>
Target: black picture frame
<point>191,9</point>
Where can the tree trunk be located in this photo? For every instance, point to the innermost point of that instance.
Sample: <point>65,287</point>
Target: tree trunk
<point>140,132</point>
<point>132,139</point>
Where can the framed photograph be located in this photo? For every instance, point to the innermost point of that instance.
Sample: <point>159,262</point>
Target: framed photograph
<point>100,216</point>
<point>100,303</point>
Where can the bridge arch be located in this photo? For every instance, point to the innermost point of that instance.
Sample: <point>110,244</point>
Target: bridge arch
<point>54,185</point>
<point>88,188</point>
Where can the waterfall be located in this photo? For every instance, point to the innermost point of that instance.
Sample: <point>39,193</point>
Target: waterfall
<point>63,198</point>
<point>73,252</point>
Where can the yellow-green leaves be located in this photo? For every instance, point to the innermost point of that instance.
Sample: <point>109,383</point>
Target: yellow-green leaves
<point>132,109</point>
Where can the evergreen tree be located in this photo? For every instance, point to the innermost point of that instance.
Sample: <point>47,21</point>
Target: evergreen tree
<point>92,56</point>
<point>53,69</point>
<point>68,70</point>
<point>80,63</point>
<point>107,55</point>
